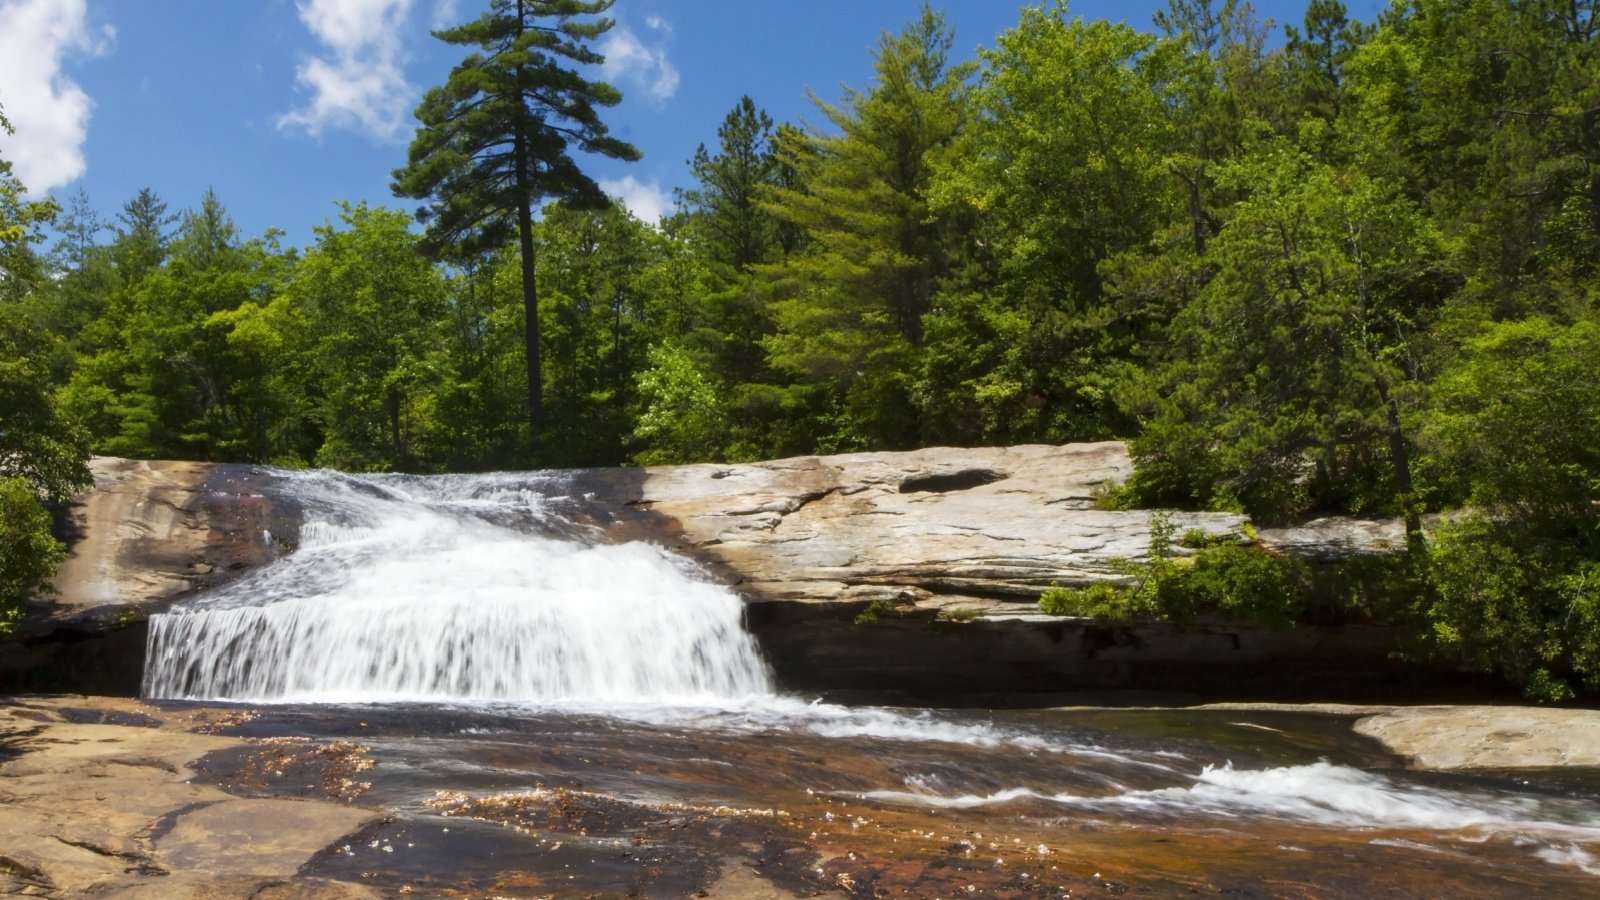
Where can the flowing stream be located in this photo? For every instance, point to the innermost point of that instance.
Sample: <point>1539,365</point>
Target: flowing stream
<point>545,703</point>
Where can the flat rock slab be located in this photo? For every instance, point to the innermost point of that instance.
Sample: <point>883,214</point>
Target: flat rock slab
<point>260,837</point>
<point>96,797</point>
<point>1488,737</point>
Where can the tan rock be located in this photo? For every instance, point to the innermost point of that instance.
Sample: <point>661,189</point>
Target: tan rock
<point>151,530</point>
<point>935,527</point>
<point>1488,737</point>
<point>110,809</point>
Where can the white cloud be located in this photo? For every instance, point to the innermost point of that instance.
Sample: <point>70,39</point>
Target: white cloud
<point>656,23</point>
<point>644,199</point>
<point>631,61</point>
<point>49,111</point>
<point>360,84</point>
<point>445,12</point>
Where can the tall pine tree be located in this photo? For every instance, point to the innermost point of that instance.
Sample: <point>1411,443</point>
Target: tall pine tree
<point>497,137</point>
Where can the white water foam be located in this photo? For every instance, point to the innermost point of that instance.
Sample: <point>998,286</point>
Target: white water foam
<point>409,589</point>
<point>1327,795</point>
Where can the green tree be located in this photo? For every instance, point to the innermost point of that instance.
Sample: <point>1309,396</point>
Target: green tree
<point>497,138</point>
<point>361,304</point>
<point>161,379</point>
<point>42,455</point>
<point>1064,168</point>
<point>1514,429</point>
<point>733,231</point>
<point>22,224</point>
<point>852,301</point>
<point>730,186</point>
<point>684,417</point>
<point>1295,366</point>
<point>143,236</point>
<point>593,285</point>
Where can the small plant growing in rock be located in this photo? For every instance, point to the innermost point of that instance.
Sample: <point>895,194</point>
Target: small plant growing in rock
<point>960,614</point>
<point>1101,600</point>
<point>875,610</point>
<point>1199,539</point>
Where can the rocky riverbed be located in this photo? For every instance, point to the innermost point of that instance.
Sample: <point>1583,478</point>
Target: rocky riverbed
<point>107,797</point>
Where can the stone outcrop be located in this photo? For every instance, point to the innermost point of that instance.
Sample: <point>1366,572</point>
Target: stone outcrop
<point>982,528</point>
<point>1488,737</point>
<point>147,533</point>
<point>985,528</point>
<point>109,808</point>
<point>151,531</point>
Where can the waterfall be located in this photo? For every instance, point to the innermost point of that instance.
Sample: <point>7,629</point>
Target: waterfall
<point>455,588</point>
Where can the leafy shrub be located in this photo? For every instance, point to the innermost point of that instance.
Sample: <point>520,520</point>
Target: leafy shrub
<point>1504,600</point>
<point>1222,578</point>
<point>1102,600</point>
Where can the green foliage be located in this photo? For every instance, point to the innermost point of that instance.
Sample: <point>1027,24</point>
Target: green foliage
<point>1292,382</point>
<point>850,305</point>
<point>22,224</point>
<point>1102,601</point>
<point>1515,430</point>
<point>873,611</point>
<point>1220,579</point>
<point>683,418</point>
<point>1517,603</point>
<point>1060,170</point>
<point>42,454</point>
<point>38,445</point>
<point>28,553</point>
<point>1514,422</point>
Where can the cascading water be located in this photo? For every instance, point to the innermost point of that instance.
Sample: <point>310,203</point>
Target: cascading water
<point>481,595</point>
<point>455,588</point>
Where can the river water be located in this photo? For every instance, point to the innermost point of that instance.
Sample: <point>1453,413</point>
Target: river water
<point>545,712</point>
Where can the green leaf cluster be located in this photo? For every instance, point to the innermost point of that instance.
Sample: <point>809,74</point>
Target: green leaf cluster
<point>1222,579</point>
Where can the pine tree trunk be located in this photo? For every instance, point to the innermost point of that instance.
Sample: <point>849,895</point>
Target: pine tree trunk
<point>530,287</point>
<point>530,305</point>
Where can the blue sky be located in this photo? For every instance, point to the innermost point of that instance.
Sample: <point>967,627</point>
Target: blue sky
<point>286,106</point>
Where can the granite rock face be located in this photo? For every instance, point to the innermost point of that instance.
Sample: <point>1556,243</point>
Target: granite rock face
<point>985,528</point>
<point>150,531</point>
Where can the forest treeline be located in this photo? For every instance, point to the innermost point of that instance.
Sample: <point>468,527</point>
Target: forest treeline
<point>1325,267</point>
